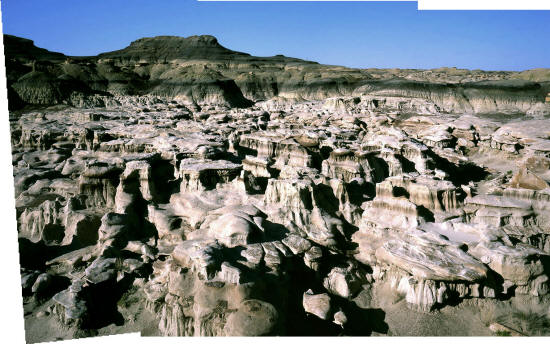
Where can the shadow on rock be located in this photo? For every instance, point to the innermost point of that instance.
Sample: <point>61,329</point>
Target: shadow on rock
<point>29,252</point>
<point>102,301</point>
<point>361,321</point>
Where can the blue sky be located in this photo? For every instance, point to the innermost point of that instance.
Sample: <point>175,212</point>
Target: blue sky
<point>355,34</point>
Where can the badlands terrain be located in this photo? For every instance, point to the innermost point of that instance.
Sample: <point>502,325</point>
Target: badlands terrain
<point>179,188</point>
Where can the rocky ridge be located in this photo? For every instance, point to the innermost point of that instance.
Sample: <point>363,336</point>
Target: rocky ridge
<point>198,70</point>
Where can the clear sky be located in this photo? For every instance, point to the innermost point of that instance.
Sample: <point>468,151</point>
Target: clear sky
<point>355,34</point>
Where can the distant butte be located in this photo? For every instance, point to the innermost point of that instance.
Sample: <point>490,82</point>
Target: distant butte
<point>201,71</point>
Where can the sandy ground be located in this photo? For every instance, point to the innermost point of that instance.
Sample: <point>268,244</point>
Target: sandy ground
<point>460,320</point>
<point>386,313</point>
<point>495,161</point>
<point>40,327</point>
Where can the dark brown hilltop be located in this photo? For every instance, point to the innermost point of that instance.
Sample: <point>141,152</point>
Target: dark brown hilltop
<point>202,71</point>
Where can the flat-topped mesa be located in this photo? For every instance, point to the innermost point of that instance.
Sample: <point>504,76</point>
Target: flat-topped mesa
<point>432,194</point>
<point>167,48</point>
<point>200,175</point>
<point>347,165</point>
<point>392,212</point>
<point>521,212</point>
<point>400,152</point>
<point>283,150</point>
<point>260,167</point>
<point>98,182</point>
<point>200,70</point>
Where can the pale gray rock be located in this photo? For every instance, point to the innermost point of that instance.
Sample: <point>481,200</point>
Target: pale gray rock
<point>202,184</point>
<point>317,304</point>
<point>114,229</point>
<point>70,305</point>
<point>342,282</point>
<point>43,223</point>
<point>102,270</point>
<point>98,182</point>
<point>42,283</point>
<point>28,279</point>
<point>296,243</point>
<point>200,256</point>
<point>340,318</point>
<point>230,274</point>
<point>234,228</point>
<point>253,253</point>
<point>252,318</point>
<point>199,175</point>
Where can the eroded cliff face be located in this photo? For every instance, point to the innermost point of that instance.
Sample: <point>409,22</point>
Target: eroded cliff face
<point>193,197</point>
<point>200,71</point>
<point>299,218</point>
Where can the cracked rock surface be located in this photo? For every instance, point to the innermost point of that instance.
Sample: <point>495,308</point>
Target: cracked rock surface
<point>240,208</point>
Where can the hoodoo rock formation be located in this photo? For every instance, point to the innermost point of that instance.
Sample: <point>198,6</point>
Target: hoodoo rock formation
<point>178,188</point>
